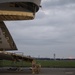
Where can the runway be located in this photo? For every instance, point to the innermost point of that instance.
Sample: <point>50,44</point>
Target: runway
<point>44,71</point>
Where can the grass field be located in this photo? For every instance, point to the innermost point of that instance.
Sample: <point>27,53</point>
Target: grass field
<point>44,63</point>
<point>5,63</point>
<point>57,63</point>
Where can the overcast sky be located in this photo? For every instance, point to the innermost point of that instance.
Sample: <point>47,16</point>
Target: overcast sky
<point>51,32</point>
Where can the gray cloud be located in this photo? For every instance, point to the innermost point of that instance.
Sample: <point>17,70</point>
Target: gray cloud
<point>58,3</point>
<point>52,30</point>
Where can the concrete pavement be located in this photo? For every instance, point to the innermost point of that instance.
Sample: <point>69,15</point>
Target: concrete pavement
<point>44,71</point>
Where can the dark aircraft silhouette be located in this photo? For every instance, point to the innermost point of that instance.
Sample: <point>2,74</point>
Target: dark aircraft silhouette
<point>11,10</point>
<point>15,10</point>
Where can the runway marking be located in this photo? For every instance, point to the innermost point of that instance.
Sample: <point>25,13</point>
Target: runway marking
<point>69,72</point>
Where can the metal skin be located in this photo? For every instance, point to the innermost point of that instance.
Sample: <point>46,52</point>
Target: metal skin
<point>6,40</point>
<point>18,9</point>
<point>37,2</point>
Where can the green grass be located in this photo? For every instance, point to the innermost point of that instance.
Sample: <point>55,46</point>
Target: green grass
<point>57,63</point>
<point>6,63</point>
<point>44,63</point>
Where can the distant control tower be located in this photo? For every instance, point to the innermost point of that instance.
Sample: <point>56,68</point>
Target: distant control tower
<point>54,56</point>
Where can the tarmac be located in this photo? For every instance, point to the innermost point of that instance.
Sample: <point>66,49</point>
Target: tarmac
<point>44,71</point>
